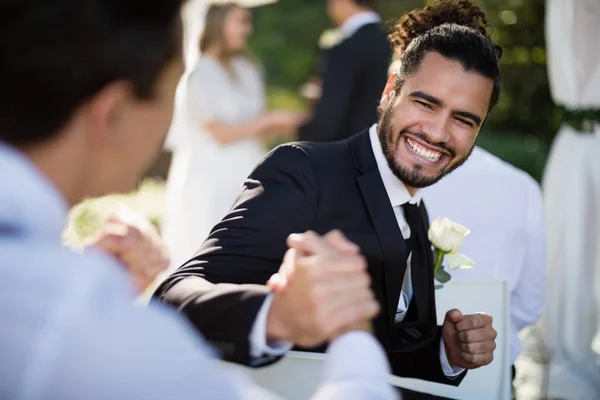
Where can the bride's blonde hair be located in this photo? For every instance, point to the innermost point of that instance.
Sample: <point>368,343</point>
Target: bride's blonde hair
<point>212,35</point>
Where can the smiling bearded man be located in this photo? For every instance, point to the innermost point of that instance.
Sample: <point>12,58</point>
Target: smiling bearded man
<point>431,112</point>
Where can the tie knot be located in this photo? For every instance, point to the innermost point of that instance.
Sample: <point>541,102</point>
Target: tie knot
<point>410,208</point>
<point>412,215</point>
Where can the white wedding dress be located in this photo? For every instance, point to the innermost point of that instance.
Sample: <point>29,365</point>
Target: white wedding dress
<point>206,176</point>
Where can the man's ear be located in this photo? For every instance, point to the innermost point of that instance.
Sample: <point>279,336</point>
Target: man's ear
<point>389,93</point>
<point>104,111</point>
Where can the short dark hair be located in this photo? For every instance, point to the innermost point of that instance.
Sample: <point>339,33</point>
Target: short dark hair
<point>57,54</point>
<point>456,29</point>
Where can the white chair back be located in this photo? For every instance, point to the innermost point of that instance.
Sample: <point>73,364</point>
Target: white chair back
<point>298,374</point>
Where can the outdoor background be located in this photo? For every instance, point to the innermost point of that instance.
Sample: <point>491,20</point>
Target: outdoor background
<point>519,130</point>
<point>285,40</point>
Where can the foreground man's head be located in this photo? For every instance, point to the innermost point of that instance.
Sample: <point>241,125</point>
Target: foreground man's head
<point>88,87</point>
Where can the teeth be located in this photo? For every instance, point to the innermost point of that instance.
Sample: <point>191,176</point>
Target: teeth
<point>432,156</point>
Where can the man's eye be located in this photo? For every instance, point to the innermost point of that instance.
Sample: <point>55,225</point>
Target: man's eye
<point>464,122</point>
<point>426,105</point>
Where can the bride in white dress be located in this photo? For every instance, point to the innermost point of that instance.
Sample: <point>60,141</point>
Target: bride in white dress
<point>222,120</point>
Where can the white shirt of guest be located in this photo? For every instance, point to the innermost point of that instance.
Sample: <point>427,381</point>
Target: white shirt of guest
<point>357,21</point>
<point>503,208</point>
<point>70,329</point>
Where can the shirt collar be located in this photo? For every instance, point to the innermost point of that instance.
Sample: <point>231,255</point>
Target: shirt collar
<point>395,188</point>
<point>357,21</point>
<point>29,202</point>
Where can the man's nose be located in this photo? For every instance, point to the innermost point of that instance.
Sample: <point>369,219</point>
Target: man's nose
<point>438,129</point>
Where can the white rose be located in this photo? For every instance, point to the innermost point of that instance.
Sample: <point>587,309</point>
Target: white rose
<point>458,261</point>
<point>446,235</point>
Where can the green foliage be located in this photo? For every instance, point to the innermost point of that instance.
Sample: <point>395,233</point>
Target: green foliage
<point>87,217</point>
<point>442,276</point>
<point>286,37</point>
<point>526,107</point>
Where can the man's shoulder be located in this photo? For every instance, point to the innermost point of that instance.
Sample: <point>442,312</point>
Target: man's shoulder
<point>372,34</point>
<point>370,31</point>
<point>305,152</point>
<point>368,39</point>
<point>491,164</point>
<point>54,273</point>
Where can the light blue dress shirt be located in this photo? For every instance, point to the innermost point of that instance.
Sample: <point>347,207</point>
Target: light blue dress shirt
<point>69,329</point>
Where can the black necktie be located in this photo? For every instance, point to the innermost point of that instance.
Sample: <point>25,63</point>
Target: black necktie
<point>418,309</point>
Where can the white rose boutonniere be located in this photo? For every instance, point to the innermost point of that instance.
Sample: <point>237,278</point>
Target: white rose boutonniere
<point>447,237</point>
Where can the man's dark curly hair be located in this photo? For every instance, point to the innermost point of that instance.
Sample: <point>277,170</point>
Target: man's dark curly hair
<point>456,29</point>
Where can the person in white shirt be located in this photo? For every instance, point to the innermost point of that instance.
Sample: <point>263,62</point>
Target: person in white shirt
<point>86,101</point>
<point>503,208</point>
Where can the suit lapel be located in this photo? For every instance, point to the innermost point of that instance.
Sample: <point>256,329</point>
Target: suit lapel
<point>393,249</point>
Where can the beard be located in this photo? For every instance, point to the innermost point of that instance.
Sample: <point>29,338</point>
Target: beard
<point>413,177</point>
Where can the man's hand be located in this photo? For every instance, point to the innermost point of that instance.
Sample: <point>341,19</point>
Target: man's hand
<point>321,291</point>
<point>134,241</point>
<point>469,339</point>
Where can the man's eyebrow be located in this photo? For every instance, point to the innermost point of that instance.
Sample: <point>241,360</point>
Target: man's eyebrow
<point>427,97</point>
<point>439,103</point>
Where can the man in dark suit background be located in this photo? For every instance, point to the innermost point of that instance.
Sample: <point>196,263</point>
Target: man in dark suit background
<point>367,186</point>
<point>353,74</point>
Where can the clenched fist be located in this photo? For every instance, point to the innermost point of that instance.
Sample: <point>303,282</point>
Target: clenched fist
<point>469,339</point>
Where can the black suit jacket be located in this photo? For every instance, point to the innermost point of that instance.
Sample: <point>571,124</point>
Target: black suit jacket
<point>300,187</point>
<point>354,79</point>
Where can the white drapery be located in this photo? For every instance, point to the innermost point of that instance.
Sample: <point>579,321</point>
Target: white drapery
<point>572,199</point>
<point>192,15</point>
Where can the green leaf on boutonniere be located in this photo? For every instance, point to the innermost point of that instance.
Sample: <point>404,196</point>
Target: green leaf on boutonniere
<point>438,286</point>
<point>442,276</point>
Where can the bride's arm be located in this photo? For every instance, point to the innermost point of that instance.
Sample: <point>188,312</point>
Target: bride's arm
<point>225,134</point>
<point>204,87</point>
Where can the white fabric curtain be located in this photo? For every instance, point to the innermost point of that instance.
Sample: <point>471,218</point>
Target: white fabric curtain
<point>192,14</point>
<point>572,199</point>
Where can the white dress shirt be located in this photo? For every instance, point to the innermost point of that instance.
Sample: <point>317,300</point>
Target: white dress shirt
<point>398,195</point>
<point>502,206</point>
<point>70,329</point>
<point>357,21</point>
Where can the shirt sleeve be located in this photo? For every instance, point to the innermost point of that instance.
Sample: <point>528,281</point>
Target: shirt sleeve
<point>528,297</point>
<point>356,367</point>
<point>447,369</point>
<point>260,348</point>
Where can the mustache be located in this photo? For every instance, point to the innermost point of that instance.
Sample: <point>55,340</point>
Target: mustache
<point>425,139</point>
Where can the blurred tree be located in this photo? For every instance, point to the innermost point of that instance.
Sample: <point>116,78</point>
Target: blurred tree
<point>525,107</point>
<point>521,127</point>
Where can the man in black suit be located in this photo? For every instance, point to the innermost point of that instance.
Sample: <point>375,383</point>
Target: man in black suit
<point>367,186</point>
<point>355,71</point>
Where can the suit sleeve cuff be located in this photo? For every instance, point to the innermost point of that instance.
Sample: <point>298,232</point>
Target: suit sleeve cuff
<point>260,348</point>
<point>447,369</point>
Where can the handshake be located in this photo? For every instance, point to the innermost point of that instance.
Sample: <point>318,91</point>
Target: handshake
<point>321,291</point>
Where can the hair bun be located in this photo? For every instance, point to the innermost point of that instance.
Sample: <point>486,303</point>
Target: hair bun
<point>416,22</point>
